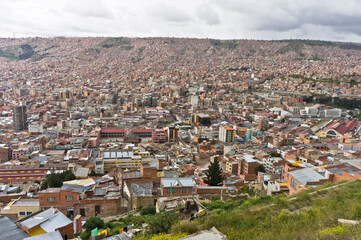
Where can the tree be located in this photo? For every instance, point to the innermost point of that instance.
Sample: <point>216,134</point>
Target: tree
<point>275,154</point>
<point>94,174</point>
<point>93,222</point>
<point>55,180</point>
<point>214,174</point>
<point>259,168</point>
<point>162,222</point>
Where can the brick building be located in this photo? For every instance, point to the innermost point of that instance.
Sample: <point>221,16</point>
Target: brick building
<point>159,136</point>
<point>306,177</point>
<point>71,203</point>
<point>171,187</point>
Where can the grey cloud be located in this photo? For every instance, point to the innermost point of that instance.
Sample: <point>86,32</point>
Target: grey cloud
<point>207,14</point>
<point>226,19</point>
<point>285,15</point>
<point>89,8</point>
<point>168,13</point>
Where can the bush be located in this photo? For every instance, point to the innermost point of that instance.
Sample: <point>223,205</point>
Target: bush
<point>109,225</point>
<point>93,222</point>
<point>148,211</point>
<point>162,222</point>
<point>85,235</point>
<point>162,236</point>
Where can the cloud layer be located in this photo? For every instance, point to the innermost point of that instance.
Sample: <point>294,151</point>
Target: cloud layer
<point>224,19</point>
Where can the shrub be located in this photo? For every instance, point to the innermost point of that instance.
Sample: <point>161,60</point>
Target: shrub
<point>148,211</point>
<point>162,222</point>
<point>85,235</point>
<point>109,225</point>
<point>92,223</point>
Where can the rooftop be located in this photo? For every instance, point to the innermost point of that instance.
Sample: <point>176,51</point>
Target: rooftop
<point>306,175</point>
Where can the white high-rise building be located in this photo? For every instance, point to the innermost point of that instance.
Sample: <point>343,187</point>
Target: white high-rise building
<point>226,134</point>
<point>194,101</point>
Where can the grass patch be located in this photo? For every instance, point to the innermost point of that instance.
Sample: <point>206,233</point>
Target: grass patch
<point>307,216</point>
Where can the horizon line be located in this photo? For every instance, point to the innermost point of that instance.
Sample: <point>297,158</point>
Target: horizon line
<point>197,38</point>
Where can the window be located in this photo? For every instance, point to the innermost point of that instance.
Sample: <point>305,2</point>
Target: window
<point>171,190</point>
<point>69,198</point>
<point>294,184</point>
<point>184,190</point>
<point>51,199</point>
<point>29,213</point>
<point>22,213</point>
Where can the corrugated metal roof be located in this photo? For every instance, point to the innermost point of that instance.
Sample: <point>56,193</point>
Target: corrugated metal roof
<point>305,175</point>
<point>10,231</point>
<point>49,220</point>
<point>177,182</point>
<point>48,236</point>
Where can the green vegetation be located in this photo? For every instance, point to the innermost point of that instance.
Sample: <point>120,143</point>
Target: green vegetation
<point>148,211</point>
<point>295,46</point>
<point>246,188</point>
<point>317,58</point>
<point>259,168</point>
<point>127,47</point>
<point>275,154</point>
<point>162,222</point>
<point>214,174</point>
<point>94,174</point>
<point>311,215</point>
<point>37,57</point>
<point>141,50</point>
<point>123,43</point>
<point>347,46</point>
<point>17,52</point>
<point>93,222</point>
<point>90,224</point>
<point>329,80</point>
<point>347,103</point>
<point>228,44</point>
<point>55,180</point>
<point>161,236</point>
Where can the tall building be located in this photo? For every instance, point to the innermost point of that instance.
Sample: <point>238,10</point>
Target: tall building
<point>201,119</point>
<point>19,117</point>
<point>194,101</point>
<point>226,134</point>
<point>263,124</point>
<point>172,133</point>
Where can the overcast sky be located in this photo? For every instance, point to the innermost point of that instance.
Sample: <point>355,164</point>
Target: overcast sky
<point>224,19</point>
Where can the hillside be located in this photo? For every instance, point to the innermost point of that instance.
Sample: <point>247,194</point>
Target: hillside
<point>312,214</point>
<point>17,52</point>
<point>183,59</point>
<point>142,48</point>
<point>308,216</point>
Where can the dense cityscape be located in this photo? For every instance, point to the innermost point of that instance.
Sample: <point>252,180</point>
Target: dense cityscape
<point>161,138</point>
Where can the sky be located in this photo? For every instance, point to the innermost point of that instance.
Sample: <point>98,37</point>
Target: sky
<point>221,19</point>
